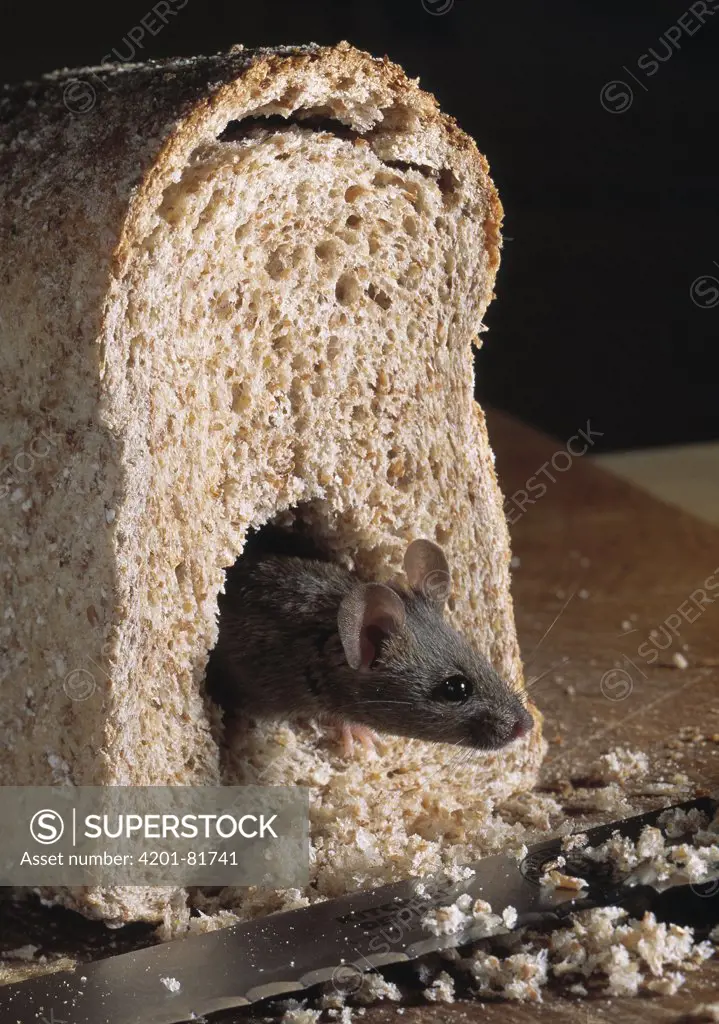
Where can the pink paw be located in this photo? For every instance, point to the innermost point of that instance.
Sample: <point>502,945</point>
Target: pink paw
<point>350,733</point>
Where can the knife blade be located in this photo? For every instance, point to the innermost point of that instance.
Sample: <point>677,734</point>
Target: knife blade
<point>336,940</point>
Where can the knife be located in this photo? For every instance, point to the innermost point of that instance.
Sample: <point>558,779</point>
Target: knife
<point>335,941</point>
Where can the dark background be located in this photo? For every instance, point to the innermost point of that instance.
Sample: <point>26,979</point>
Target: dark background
<point>608,295</point>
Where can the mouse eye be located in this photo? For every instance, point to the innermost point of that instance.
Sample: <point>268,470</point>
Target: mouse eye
<point>455,690</point>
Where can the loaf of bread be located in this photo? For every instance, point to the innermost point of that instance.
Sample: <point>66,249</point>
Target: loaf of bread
<point>235,289</point>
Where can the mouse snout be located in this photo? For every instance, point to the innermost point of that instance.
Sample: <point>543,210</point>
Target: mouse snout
<point>523,725</point>
<point>496,727</point>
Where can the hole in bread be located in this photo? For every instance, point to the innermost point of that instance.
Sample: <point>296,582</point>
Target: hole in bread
<point>449,187</point>
<point>314,119</point>
<point>279,263</point>
<point>379,296</point>
<point>347,290</point>
<point>327,250</point>
<point>302,531</point>
<point>354,192</point>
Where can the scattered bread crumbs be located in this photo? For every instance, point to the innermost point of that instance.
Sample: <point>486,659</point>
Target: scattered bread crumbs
<point>609,799</point>
<point>657,857</point>
<point>533,810</point>
<point>171,984</point>
<point>621,956</point>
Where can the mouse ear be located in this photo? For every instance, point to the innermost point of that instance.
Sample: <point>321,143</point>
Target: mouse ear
<point>366,616</point>
<point>427,570</point>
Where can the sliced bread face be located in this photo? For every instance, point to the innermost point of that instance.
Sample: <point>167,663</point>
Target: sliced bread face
<point>240,286</point>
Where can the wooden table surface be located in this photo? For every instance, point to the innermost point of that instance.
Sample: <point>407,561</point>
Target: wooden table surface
<point>626,558</point>
<point>633,559</point>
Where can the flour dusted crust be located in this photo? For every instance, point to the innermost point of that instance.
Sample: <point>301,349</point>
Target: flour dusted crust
<point>238,285</point>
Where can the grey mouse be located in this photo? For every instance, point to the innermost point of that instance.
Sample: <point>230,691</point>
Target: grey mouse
<point>302,636</point>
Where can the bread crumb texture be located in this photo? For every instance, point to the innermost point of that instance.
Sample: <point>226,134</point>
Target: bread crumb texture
<point>240,285</point>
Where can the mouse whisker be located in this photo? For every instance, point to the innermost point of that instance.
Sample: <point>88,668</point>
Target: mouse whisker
<point>554,622</point>
<point>531,683</point>
<point>463,756</point>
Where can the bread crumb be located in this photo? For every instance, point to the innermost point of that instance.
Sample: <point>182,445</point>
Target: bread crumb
<point>509,917</point>
<point>300,1015</point>
<point>21,953</point>
<point>669,985</point>
<point>446,920</point>
<point>463,913</point>
<point>574,841</point>
<point>554,879</point>
<point>375,988</point>
<point>679,661</point>
<point>441,990</point>
<point>621,765</point>
<point>705,1012</point>
<point>171,984</point>
<point>332,998</point>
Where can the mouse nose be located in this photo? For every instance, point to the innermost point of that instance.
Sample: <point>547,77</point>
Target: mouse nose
<point>523,725</point>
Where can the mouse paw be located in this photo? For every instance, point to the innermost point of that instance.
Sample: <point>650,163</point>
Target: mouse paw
<point>350,732</point>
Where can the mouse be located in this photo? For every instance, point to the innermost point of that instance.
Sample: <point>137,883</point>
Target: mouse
<point>304,636</point>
